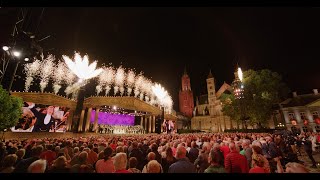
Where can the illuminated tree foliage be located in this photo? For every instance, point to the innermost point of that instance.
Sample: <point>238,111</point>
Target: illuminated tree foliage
<point>262,89</point>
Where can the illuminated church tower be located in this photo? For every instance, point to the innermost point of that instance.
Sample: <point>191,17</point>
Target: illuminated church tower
<point>186,103</point>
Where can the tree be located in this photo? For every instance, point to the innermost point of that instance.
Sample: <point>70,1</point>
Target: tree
<point>10,109</point>
<point>262,89</point>
<point>231,107</point>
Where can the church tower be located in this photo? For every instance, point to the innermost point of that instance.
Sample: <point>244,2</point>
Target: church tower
<point>186,103</point>
<point>211,92</point>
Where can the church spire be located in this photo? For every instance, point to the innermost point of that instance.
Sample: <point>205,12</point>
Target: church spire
<point>210,75</point>
<point>185,70</point>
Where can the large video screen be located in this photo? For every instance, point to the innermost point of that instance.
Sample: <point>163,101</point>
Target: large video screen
<point>113,119</point>
<point>41,118</point>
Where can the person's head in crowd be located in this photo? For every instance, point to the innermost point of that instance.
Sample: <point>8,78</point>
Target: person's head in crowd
<point>233,147</point>
<point>153,167</point>
<point>10,160</point>
<point>86,150</point>
<point>216,146</point>
<point>256,143</point>
<point>134,145</point>
<point>293,167</point>
<point>169,152</point>
<point>257,160</point>
<point>36,151</point>
<point>83,156</point>
<point>60,162</point>
<point>49,147</point>
<point>133,162</point>
<point>193,144</point>
<point>245,143</point>
<point>256,149</point>
<point>181,152</point>
<point>76,150</point>
<point>154,147</point>
<point>95,149</point>
<point>38,166</point>
<point>120,161</point>
<point>119,149</point>
<point>214,157</point>
<point>20,153</point>
<point>107,153</point>
<point>151,156</point>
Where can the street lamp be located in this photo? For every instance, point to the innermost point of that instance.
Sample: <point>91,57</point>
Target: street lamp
<point>160,93</point>
<point>16,54</point>
<point>81,68</point>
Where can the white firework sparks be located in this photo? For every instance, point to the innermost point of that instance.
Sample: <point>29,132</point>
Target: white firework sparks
<point>81,67</point>
<point>108,76</point>
<point>146,88</point>
<point>46,70</point>
<point>119,81</point>
<point>138,84</point>
<point>130,81</point>
<point>58,76</point>
<point>31,70</point>
<point>98,89</point>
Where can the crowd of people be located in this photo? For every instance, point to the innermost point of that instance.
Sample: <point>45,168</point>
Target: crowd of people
<point>120,129</point>
<point>161,153</point>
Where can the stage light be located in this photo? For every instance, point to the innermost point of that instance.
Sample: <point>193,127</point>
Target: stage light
<point>16,53</point>
<point>114,107</point>
<point>26,59</point>
<point>5,48</point>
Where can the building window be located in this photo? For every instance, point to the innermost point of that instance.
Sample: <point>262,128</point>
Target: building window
<point>210,87</point>
<point>291,116</point>
<point>303,116</point>
<point>305,128</point>
<point>315,115</point>
<point>211,93</point>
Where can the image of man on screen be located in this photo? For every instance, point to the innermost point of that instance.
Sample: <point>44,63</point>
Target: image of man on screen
<point>45,120</point>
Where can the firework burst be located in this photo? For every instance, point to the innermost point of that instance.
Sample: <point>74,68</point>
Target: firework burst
<point>119,81</point>
<point>31,70</point>
<point>59,75</point>
<point>46,70</point>
<point>130,81</point>
<point>138,84</point>
<point>108,76</point>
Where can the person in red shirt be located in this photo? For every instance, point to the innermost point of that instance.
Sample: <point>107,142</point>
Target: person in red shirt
<point>235,162</point>
<point>225,149</point>
<point>48,155</point>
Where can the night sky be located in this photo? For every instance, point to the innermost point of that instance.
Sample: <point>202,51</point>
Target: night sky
<point>162,41</point>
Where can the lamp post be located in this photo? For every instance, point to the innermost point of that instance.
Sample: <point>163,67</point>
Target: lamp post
<point>14,54</point>
<point>81,68</point>
<point>160,93</point>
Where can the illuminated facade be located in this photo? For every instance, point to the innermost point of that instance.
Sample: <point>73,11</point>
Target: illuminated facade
<point>207,113</point>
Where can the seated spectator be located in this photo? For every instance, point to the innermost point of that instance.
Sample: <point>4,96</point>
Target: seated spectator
<point>82,166</point>
<point>8,163</point>
<point>183,165</point>
<point>59,166</point>
<point>38,166</point>
<point>105,165</point>
<point>258,164</point>
<point>235,162</point>
<point>120,163</point>
<point>168,160</point>
<point>153,167</point>
<point>133,163</point>
<point>214,159</point>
